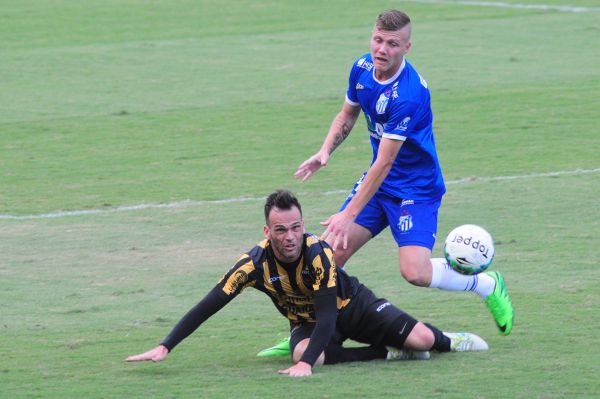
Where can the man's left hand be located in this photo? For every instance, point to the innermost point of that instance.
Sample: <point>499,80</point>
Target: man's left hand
<point>300,369</point>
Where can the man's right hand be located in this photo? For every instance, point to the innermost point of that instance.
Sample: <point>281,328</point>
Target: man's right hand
<point>311,165</point>
<point>156,355</point>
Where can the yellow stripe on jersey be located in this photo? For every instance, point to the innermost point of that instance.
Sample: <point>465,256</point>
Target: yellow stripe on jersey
<point>332,268</point>
<point>319,268</point>
<point>238,280</point>
<point>319,271</point>
<point>341,303</point>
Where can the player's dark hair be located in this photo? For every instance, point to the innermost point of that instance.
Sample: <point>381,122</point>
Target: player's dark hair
<point>282,199</point>
<point>392,20</point>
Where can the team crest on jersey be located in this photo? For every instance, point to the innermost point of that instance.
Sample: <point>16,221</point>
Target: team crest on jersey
<point>405,222</point>
<point>236,282</point>
<point>382,101</point>
<point>359,86</point>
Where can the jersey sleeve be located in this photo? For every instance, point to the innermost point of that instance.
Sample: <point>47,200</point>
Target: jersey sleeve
<point>326,315</point>
<point>322,266</point>
<point>401,121</point>
<point>214,301</point>
<point>240,276</point>
<point>351,94</point>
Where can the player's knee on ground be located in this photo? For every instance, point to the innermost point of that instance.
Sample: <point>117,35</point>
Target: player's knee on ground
<point>421,338</point>
<point>299,351</point>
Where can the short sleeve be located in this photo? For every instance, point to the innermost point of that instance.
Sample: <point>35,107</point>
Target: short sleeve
<point>238,277</point>
<point>323,267</point>
<point>401,121</point>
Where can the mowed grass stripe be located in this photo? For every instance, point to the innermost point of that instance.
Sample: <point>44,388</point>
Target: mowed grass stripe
<point>189,73</point>
<point>187,203</point>
<point>98,162</point>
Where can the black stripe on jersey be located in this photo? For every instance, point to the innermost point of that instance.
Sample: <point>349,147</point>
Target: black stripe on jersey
<point>293,277</point>
<point>275,282</point>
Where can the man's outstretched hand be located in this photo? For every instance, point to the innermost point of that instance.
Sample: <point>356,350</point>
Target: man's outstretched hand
<point>156,355</point>
<point>311,165</point>
<point>299,369</point>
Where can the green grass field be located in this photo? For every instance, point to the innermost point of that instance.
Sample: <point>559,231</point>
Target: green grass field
<point>138,140</point>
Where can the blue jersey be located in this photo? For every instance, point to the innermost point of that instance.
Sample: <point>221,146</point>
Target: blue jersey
<point>400,109</point>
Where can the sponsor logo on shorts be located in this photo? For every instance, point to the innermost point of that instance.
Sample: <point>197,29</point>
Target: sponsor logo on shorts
<point>359,86</point>
<point>403,328</point>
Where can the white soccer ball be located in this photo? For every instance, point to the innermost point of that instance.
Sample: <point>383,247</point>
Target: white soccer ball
<point>469,249</point>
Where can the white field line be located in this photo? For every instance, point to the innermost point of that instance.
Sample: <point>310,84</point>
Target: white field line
<point>187,203</point>
<point>502,4</point>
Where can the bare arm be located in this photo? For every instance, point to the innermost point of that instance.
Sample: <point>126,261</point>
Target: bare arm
<point>340,128</point>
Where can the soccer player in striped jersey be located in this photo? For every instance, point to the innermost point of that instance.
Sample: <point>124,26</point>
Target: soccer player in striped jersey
<point>323,304</point>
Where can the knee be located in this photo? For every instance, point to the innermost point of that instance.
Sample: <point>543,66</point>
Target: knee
<point>341,256</point>
<point>299,350</point>
<point>415,265</point>
<point>414,271</point>
<point>420,338</point>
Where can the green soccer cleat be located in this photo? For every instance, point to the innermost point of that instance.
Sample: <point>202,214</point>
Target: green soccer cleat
<point>499,304</point>
<point>281,349</point>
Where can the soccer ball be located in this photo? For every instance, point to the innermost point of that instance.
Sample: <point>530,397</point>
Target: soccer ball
<point>469,249</point>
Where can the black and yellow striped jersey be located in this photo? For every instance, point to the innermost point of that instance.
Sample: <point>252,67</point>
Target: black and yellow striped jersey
<point>291,287</point>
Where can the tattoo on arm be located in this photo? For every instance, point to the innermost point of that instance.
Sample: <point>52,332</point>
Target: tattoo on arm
<point>340,137</point>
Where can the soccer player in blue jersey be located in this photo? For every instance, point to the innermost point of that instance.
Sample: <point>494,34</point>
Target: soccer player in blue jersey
<point>403,187</point>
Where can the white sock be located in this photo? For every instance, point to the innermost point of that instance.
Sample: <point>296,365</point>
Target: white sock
<point>446,278</point>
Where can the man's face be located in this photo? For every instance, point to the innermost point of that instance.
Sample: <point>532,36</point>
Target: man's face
<point>388,49</point>
<point>285,230</point>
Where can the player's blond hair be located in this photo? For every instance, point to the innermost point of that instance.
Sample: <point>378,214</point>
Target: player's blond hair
<point>392,20</point>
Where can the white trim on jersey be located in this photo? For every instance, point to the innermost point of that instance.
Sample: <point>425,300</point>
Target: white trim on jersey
<point>390,80</point>
<point>351,102</point>
<point>393,136</point>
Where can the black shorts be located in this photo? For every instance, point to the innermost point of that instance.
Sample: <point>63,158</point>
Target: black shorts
<point>366,319</point>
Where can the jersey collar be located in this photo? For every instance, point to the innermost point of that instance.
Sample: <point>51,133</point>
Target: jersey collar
<point>390,80</point>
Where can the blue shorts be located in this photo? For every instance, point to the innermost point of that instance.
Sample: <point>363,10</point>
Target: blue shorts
<point>412,222</point>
